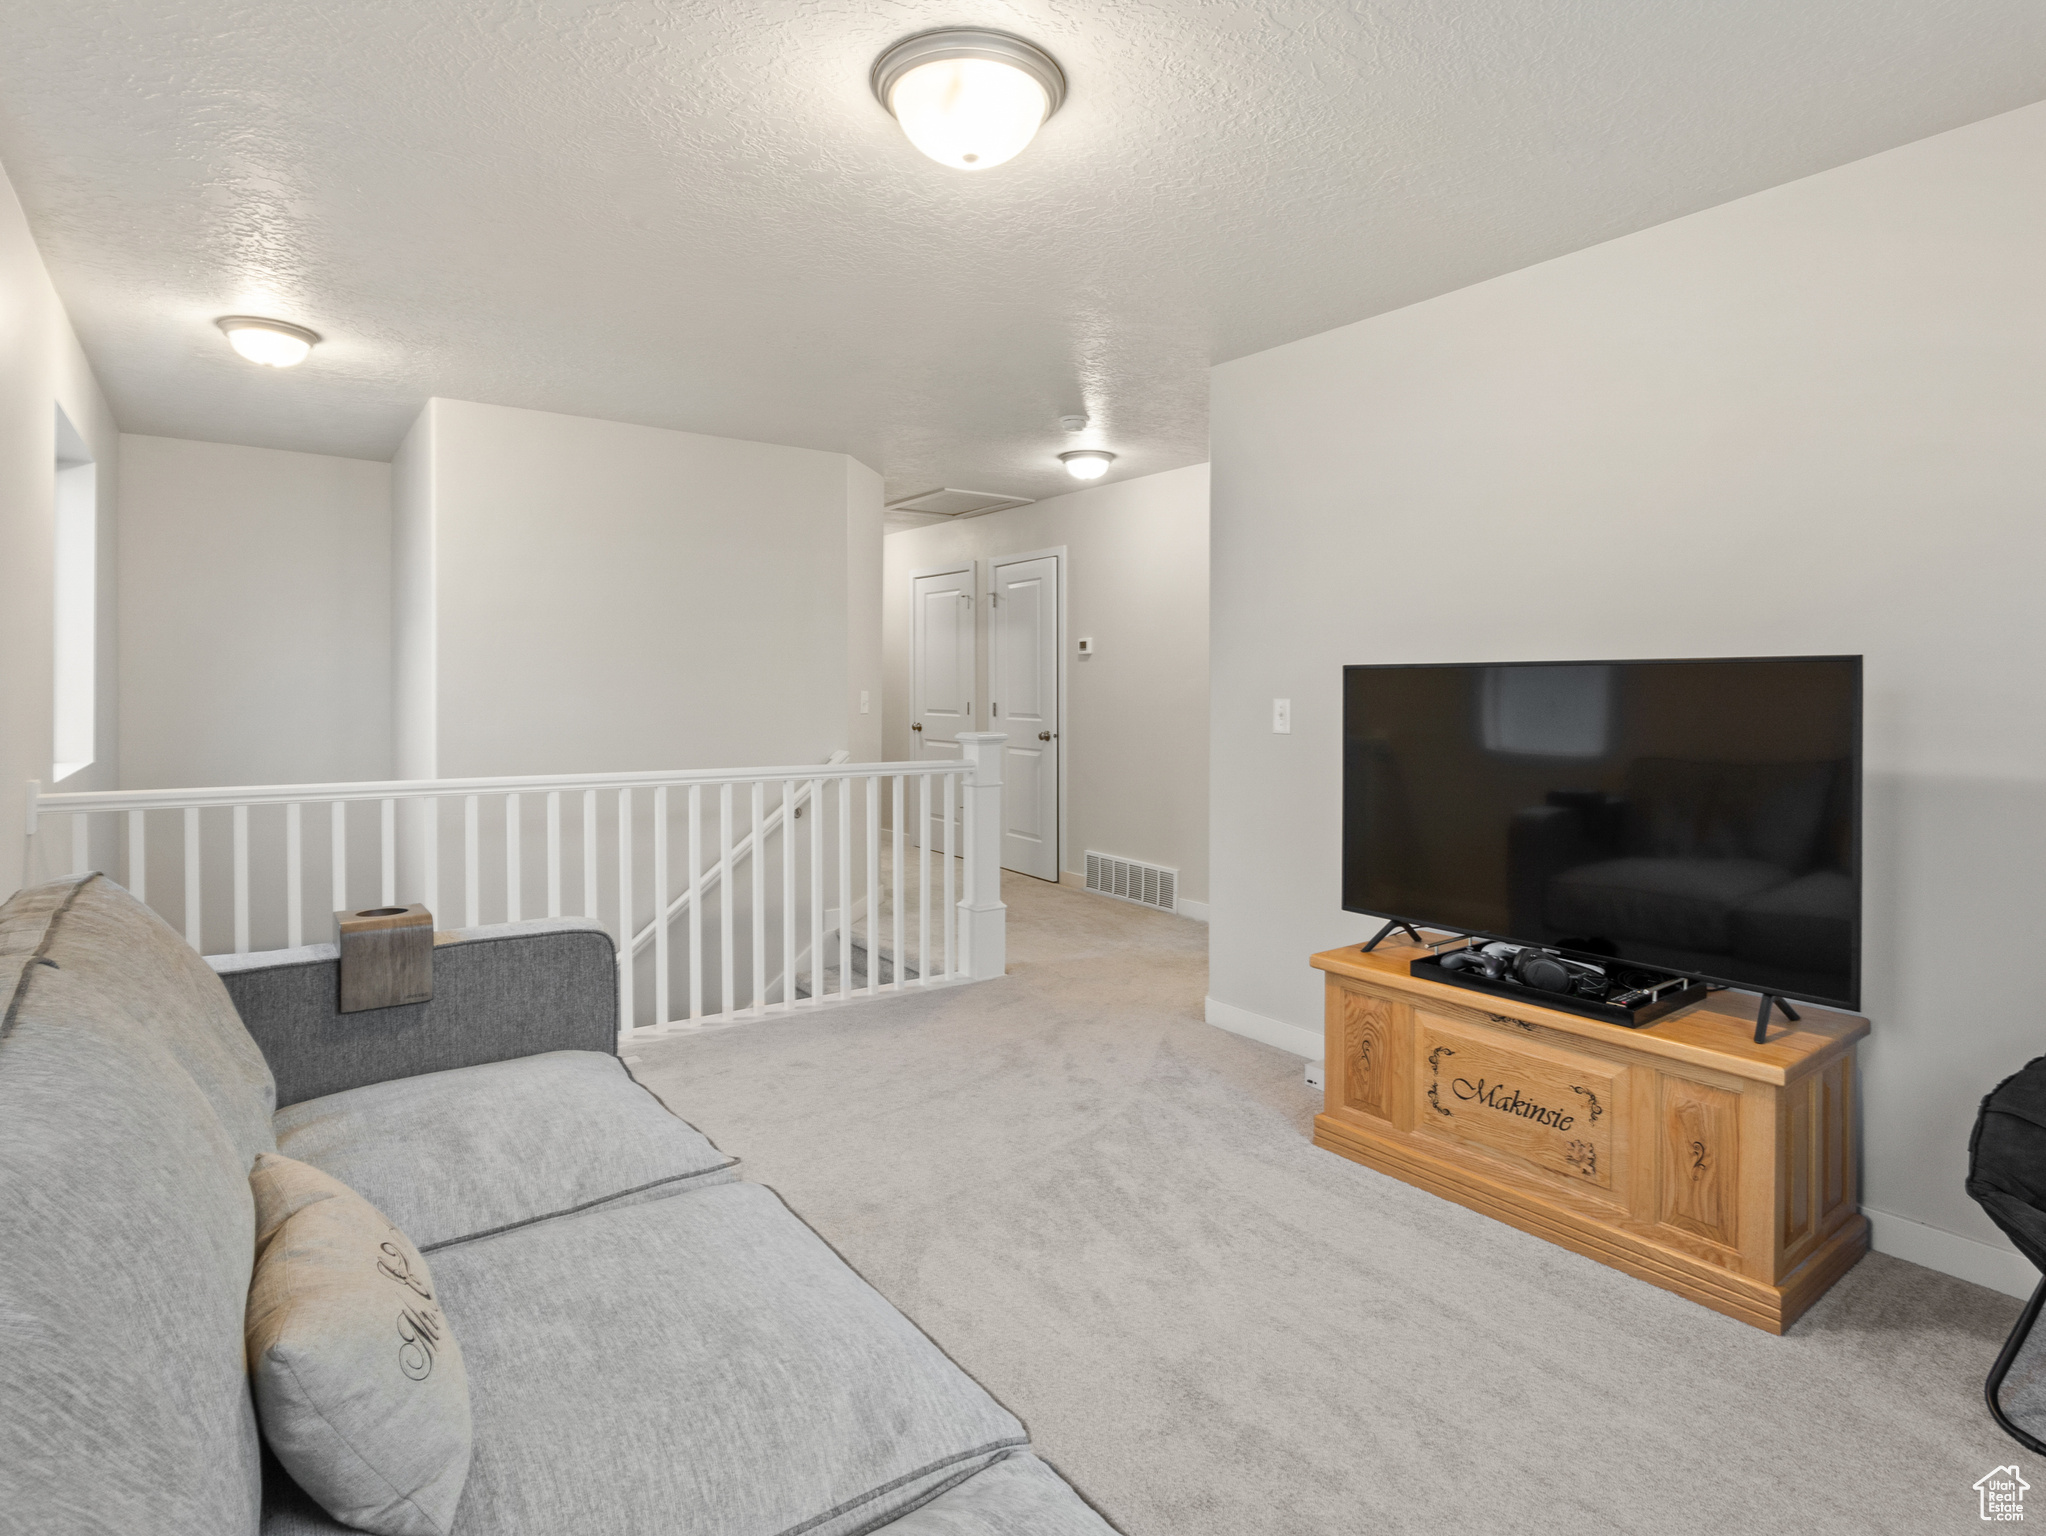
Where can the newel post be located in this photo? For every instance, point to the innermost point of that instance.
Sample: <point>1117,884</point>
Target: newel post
<point>983,941</point>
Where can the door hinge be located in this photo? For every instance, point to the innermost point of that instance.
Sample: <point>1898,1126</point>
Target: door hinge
<point>994,599</point>
<point>995,710</point>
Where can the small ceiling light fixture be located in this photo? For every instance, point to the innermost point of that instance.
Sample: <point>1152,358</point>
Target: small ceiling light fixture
<point>273,343</point>
<point>1087,463</point>
<point>969,99</point>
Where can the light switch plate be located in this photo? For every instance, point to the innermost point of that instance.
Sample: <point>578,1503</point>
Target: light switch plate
<point>1282,717</point>
<point>1086,647</point>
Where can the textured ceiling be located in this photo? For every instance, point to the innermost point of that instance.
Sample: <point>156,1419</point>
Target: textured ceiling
<point>696,216</point>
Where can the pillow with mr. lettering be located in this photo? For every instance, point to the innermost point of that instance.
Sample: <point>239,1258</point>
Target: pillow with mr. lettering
<point>359,1383</point>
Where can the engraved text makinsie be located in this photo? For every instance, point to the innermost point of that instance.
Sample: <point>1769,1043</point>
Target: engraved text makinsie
<point>1509,1102</point>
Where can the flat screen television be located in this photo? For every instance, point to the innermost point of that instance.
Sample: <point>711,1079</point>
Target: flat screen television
<point>1696,817</point>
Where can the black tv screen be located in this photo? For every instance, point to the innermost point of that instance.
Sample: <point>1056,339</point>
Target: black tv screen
<point>1700,817</point>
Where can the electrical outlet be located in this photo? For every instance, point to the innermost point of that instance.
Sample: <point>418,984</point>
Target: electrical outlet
<point>1282,717</point>
<point>864,708</point>
<point>1314,1078</point>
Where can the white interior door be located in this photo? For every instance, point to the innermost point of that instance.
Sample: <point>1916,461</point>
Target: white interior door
<point>941,676</point>
<point>1023,700</point>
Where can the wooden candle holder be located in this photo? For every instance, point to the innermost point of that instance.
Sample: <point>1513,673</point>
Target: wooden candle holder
<point>386,957</point>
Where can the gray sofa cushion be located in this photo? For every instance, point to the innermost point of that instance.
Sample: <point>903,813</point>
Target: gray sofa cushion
<point>143,967</point>
<point>126,1230</point>
<point>499,991</point>
<point>1017,1496</point>
<point>455,1155</point>
<point>703,1366</point>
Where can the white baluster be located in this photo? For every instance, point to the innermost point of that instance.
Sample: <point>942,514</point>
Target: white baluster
<point>388,852</point>
<point>192,934</point>
<point>873,885</point>
<point>695,903</point>
<point>514,861</point>
<point>337,829</point>
<point>759,873</point>
<point>788,894</point>
<point>138,857</point>
<point>726,979</point>
<point>627,1016</point>
<point>950,910</point>
<point>661,1014</point>
<point>294,874</point>
<point>430,854</point>
<point>895,882</point>
<point>844,889</point>
<point>923,880</point>
<point>816,891</point>
<point>554,853</point>
<point>472,865</point>
<point>589,853</point>
<point>241,879</point>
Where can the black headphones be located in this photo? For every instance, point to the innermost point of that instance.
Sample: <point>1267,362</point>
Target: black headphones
<point>1542,970</point>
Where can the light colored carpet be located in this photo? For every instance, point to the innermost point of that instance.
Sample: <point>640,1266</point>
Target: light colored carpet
<point>1109,1212</point>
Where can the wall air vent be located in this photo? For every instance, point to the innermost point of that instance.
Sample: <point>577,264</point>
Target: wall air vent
<point>1128,880</point>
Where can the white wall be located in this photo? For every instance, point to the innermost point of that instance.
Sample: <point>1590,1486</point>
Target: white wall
<point>414,653</point>
<point>42,368</point>
<point>865,516</point>
<point>604,597</point>
<point>255,616</point>
<point>1810,421</point>
<point>1136,736</point>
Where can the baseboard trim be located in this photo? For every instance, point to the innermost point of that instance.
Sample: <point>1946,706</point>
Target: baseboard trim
<point>1965,1258</point>
<point>1197,910</point>
<point>1255,1026</point>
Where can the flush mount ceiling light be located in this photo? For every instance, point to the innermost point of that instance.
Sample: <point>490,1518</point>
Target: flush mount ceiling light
<point>1087,463</point>
<point>967,98</point>
<point>273,343</point>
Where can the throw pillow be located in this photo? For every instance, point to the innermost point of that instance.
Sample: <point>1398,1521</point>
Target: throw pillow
<point>359,1381</point>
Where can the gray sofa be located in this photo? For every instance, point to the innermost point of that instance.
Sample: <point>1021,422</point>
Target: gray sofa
<point>652,1344</point>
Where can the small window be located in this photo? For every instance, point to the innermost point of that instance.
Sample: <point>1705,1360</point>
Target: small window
<point>76,563</point>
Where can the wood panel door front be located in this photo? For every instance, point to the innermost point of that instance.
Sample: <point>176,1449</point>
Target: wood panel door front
<point>1023,700</point>
<point>942,654</point>
<point>1552,1109</point>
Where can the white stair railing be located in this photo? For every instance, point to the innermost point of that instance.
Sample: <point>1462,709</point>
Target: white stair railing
<point>720,854</point>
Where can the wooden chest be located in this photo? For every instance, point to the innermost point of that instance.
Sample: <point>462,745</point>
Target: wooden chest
<point>1682,1153</point>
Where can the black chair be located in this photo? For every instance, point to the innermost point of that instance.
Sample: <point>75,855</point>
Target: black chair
<point>2007,1177</point>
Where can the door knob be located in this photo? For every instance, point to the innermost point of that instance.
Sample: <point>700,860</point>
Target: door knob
<point>1044,735</point>
<point>918,726</point>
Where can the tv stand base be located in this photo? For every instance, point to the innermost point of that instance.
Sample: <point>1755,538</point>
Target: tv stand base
<point>1390,929</point>
<point>1762,1016</point>
<point>1681,1152</point>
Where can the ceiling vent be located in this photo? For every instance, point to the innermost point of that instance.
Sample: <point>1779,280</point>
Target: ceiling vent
<point>947,502</point>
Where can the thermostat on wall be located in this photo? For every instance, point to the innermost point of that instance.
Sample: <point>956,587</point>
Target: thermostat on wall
<point>1086,647</point>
